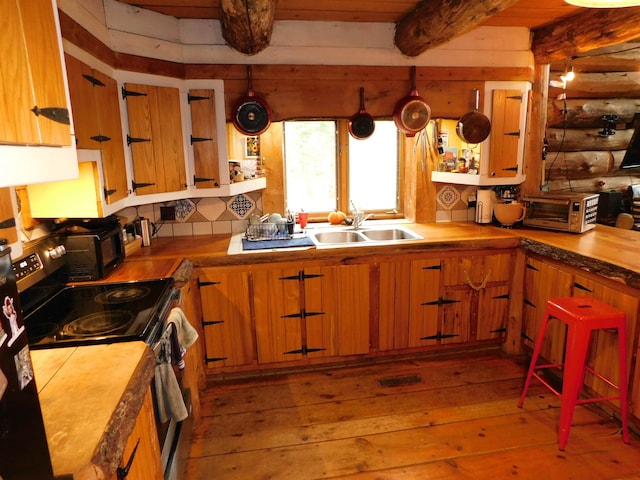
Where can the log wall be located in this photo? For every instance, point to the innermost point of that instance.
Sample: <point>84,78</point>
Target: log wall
<point>580,157</point>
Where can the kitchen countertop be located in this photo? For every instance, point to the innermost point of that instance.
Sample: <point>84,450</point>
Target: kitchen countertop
<point>90,397</point>
<point>603,249</point>
<point>107,395</point>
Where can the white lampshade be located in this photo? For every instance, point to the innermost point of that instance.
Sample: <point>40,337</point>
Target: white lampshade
<point>604,3</point>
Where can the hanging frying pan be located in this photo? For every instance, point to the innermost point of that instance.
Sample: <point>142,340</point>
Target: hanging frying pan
<point>251,113</point>
<point>412,113</point>
<point>361,124</point>
<point>474,127</point>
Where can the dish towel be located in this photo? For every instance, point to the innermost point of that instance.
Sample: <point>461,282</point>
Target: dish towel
<point>168,394</point>
<point>185,335</point>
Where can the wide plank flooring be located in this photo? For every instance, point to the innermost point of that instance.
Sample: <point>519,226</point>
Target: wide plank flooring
<point>453,417</point>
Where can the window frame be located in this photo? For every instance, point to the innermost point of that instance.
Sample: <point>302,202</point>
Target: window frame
<point>342,174</point>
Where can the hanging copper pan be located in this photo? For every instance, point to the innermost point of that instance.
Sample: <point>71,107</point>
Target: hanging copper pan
<point>412,113</point>
<point>251,113</point>
<point>474,127</point>
<point>361,124</point>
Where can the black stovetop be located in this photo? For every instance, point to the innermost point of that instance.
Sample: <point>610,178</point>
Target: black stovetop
<point>99,313</point>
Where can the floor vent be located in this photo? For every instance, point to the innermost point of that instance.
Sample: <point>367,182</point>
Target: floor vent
<point>400,381</point>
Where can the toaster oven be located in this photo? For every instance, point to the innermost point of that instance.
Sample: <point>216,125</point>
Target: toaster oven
<point>563,211</point>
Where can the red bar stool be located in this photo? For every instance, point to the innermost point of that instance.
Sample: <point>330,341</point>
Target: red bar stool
<point>582,315</point>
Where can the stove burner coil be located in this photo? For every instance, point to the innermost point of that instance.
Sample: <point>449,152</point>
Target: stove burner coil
<point>123,294</point>
<point>99,323</point>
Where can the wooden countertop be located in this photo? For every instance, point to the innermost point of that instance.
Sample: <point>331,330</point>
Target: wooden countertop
<point>90,397</point>
<point>87,424</point>
<point>212,250</point>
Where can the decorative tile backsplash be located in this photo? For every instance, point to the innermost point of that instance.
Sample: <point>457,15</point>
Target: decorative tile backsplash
<point>201,216</point>
<point>206,216</point>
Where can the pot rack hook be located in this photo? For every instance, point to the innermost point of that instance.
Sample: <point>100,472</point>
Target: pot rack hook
<point>413,78</point>
<point>250,77</point>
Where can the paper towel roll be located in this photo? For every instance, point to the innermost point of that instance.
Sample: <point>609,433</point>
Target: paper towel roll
<point>484,206</point>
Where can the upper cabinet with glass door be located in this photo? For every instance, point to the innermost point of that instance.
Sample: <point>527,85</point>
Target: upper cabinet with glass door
<point>498,160</point>
<point>36,135</point>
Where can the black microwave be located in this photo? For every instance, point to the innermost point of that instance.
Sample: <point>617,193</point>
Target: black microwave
<point>93,255</point>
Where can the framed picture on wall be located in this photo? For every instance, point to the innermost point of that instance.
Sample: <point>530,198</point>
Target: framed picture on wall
<point>252,147</point>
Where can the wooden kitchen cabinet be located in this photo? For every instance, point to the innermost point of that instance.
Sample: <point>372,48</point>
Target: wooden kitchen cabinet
<point>439,301</point>
<point>8,228</point>
<point>543,281</point>
<point>96,111</point>
<point>101,184</point>
<point>408,301</point>
<point>226,317</point>
<point>31,70</point>
<point>306,311</point>
<point>155,138</point>
<point>546,279</point>
<point>204,138</point>
<point>146,463</point>
<point>506,132</point>
<point>479,288</point>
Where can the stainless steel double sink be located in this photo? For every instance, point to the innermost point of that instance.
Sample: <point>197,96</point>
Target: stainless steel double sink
<point>366,235</point>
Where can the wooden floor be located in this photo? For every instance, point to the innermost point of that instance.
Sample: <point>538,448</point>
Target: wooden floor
<point>460,420</point>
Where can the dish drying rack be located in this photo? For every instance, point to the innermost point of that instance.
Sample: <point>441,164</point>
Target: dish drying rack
<point>257,232</point>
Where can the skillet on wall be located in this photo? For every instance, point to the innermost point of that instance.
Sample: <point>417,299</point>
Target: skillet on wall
<point>474,127</point>
<point>412,113</point>
<point>251,113</point>
<point>361,124</point>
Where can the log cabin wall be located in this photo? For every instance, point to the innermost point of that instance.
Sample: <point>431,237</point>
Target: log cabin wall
<point>580,156</point>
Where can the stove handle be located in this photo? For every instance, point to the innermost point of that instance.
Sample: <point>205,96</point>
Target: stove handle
<point>122,472</point>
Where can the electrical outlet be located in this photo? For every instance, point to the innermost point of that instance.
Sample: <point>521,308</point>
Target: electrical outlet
<point>471,201</point>
<point>167,213</point>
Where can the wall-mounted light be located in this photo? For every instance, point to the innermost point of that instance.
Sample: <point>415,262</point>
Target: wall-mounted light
<point>569,74</point>
<point>603,3</point>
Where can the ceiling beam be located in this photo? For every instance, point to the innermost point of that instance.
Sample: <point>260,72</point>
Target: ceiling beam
<point>594,28</point>
<point>247,24</point>
<point>434,22</point>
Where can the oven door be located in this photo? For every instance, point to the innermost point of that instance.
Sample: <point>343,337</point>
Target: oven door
<point>174,436</point>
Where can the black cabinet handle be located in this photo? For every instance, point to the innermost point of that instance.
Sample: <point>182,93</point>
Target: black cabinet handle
<point>122,472</point>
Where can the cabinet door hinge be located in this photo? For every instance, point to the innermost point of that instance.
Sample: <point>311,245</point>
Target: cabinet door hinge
<point>433,267</point>
<point>527,337</point>
<point>304,350</point>
<point>135,185</point>
<point>131,140</point>
<point>93,80</point>
<point>440,301</point>
<point>579,286</point>
<point>131,93</point>
<point>501,297</point>
<point>204,179</point>
<point>55,114</point>
<point>199,139</point>
<point>498,330</point>
<point>206,283</point>
<point>109,192</point>
<point>440,336</point>
<point>530,303</point>
<point>531,267</point>
<point>206,323</point>
<point>194,98</point>
<point>214,359</point>
<point>100,138</point>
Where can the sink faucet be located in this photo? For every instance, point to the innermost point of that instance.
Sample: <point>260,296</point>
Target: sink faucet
<point>359,217</point>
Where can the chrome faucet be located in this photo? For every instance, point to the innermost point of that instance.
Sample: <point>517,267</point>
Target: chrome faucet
<point>358,217</point>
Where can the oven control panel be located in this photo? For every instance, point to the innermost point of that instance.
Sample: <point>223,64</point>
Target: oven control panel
<point>27,266</point>
<point>40,259</point>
